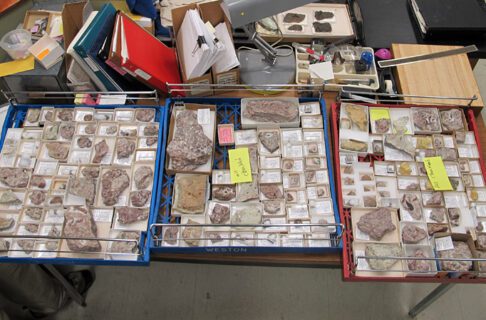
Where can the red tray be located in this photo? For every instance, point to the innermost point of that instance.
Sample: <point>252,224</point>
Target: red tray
<point>345,214</point>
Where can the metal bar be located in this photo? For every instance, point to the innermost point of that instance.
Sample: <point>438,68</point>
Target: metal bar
<point>430,298</point>
<point>67,238</point>
<point>71,291</point>
<point>473,98</point>
<point>428,56</point>
<point>422,258</point>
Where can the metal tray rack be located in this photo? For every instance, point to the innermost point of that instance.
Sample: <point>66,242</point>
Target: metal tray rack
<point>228,111</point>
<point>349,264</point>
<point>14,119</point>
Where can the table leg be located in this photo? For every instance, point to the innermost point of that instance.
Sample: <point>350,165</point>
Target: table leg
<point>430,298</point>
<point>71,291</point>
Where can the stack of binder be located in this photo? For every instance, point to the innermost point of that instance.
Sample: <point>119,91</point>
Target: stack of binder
<point>119,55</point>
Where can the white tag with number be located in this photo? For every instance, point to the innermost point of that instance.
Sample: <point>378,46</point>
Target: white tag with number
<point>445,243</point>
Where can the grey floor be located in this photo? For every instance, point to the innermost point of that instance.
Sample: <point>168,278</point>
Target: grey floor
<point>192,291</point>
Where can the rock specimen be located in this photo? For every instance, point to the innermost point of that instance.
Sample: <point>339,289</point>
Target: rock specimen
<point>124,148</point>
<point>150,141</point>
<point>310,176</point>
<point>358,116</point>
<point>111,130</point>
<point>101,149</point>
<point>57,200</point>
<point>481,242</point>
<point>57,150</point>
<point>271,191</point>
<point>33,115</point>
<point>84,188</point>
<point>51,132</point>
<point>9,198</point>
<point>32,227</point>
<point>293,17</point>
<point>454,216</point>
<point>382,125</point>
<point>84,142</point>
<point>271,207</point>
<point>224,193</point>
<point>452,120</point>
<point>247,215</point>
<point>400,125</point>
<point>369,201</point>
<point>435,199</point>
<point>151,130</point>
<point>220,214</point>
<point>6,223</point>
<point>192,235</point>
<point>411,203</point>
<point>376,223</point>
<point>79,223</point>
<point>296,27</point>
<point>447,154</point>
<point>128,132</point>
<point>88,117</point>
<point>271,111</point>
<point>143,177</point>
<point>26,245</point>
<point>401,142</point>
<point>144,115</point>
<point>288,164</point>
<point>190,147</point>
<point>426,119</point>
<point>322,26</point>
<point>140,198</point>
<point>67,130</point>
<point>91,172</point>
<point>37,197</point>
<point>480,254</point>
<point>270,140</point>
<point>90,129</point>
<point>382,250</point>
<point>126,246</point>
<point>461,251</point>
<point>113,183</point>
<point>190,193</point>
<point>128,215</point>
<point>419,265</point>
<point>413,234</point>
<point>321,15</point>
<point>248,191</point>
<point>438,214</point>
<point>4,246</point>
<point>65,114</point>
<point>433,228</point>
<point>49,116</point>
<point>38,182</point>
<point>354,145</point>
<point>405,169</point>
<point>252,150</point>
<point>170,235</point>
<point>33,213</point>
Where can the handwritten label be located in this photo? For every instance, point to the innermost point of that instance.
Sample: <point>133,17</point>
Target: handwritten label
<point>203,116</point>
<point>442,244</point>
<point>240,167</point>
<point>225,134</point>
<point>437,174</point>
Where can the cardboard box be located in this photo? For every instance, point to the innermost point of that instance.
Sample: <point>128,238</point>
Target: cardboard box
<point>178,15</point>
<point>213,13</point>
<point>73,17</point>
<point>462,238</point>
<point>189,106</point>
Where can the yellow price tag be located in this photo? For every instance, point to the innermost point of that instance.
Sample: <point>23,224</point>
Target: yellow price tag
<point>240,168</point>
<point>379,113</point>
<point>437,174</point>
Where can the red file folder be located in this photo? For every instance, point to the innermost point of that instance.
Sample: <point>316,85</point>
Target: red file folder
<point>142,55</point>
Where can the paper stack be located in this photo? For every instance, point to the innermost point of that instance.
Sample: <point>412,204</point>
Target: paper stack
<point>201,48</point>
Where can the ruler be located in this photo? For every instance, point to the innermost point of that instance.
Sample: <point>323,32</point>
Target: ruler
<point>425,57</point>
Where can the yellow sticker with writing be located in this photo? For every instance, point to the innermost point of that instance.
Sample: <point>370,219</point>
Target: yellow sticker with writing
<point>437,174</point>
<point>240,168</point>
<point>379,113</point>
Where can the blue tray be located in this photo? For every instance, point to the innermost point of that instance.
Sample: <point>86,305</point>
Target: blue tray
<point>14,119</point>
<point>228,111</point>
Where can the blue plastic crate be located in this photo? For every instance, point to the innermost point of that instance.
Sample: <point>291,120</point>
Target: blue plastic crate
<point>14,119</point>
<point>228,111</point>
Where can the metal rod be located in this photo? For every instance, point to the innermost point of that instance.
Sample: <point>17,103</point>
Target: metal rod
<point>422,258</point>
<point>343,91</point>
<point>67,238</point>
<point>70,290</point>
<point>430,298</point>
<point>427,56</point>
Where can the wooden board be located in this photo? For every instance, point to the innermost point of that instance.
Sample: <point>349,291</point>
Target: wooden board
<point>449,76</point>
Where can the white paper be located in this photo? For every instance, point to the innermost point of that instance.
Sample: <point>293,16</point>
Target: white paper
<point>322,70</point>
<point>228,59</point>
<point>442,244</point>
